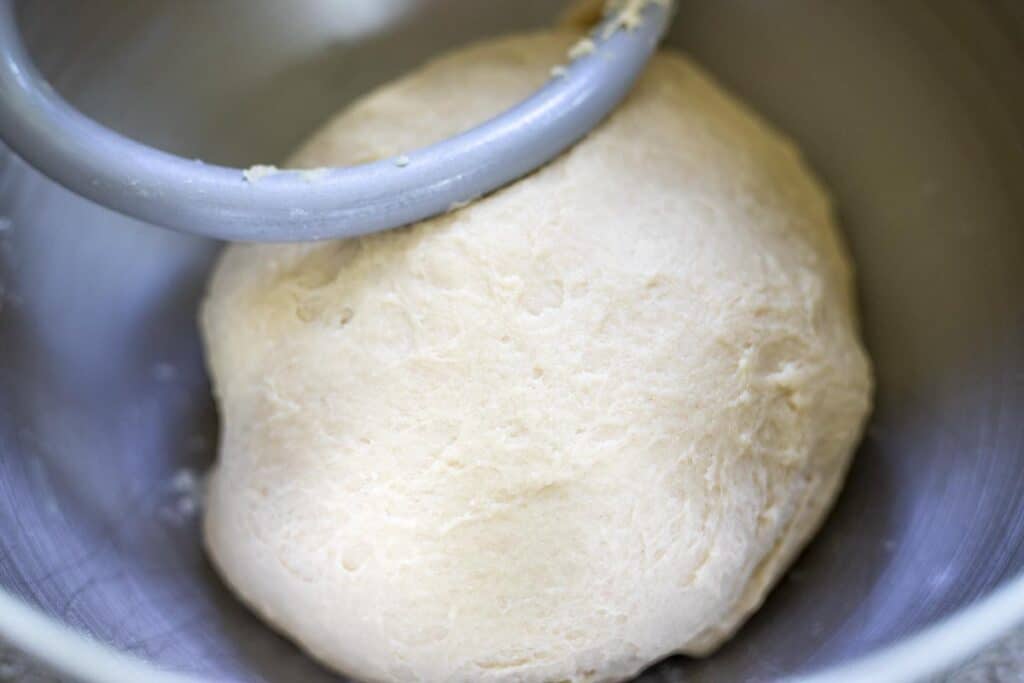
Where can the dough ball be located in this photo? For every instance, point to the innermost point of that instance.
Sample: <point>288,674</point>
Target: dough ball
<point>578,426</point>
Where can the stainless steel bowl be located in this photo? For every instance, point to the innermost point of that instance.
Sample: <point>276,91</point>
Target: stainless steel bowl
<point>912,111</point>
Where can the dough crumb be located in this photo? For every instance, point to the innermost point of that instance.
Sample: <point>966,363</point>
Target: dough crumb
<point>628,14</point>
<point>314,175</point>
<point>254,174</point>
<point>582,48</point>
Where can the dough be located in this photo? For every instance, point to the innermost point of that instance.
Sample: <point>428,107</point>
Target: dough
<point>578,426</point>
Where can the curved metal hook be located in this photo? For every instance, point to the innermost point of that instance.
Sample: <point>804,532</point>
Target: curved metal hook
<point>160,188</point>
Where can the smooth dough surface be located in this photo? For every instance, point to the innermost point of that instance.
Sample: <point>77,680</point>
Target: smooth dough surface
<point>578,426</point>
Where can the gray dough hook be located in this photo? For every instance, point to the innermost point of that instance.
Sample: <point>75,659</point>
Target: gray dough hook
<point>215,201</point>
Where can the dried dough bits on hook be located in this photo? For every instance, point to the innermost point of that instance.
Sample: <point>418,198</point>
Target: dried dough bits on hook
<point>215,201</point>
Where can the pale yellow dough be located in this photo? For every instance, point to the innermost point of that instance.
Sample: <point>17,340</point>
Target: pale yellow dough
<point>578,426</point>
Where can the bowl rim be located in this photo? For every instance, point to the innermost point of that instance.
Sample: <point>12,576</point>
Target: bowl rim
<point>935,649</point>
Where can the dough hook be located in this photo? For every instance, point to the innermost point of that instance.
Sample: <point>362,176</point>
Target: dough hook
<point>215,201</point>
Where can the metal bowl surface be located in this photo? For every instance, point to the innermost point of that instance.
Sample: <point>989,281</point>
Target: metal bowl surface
<point>913,112</point>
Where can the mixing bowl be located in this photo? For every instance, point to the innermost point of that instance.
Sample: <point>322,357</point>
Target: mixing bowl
<point>913,112</point>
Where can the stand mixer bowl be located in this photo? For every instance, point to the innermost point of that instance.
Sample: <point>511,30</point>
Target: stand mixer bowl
<point>913,114</point>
